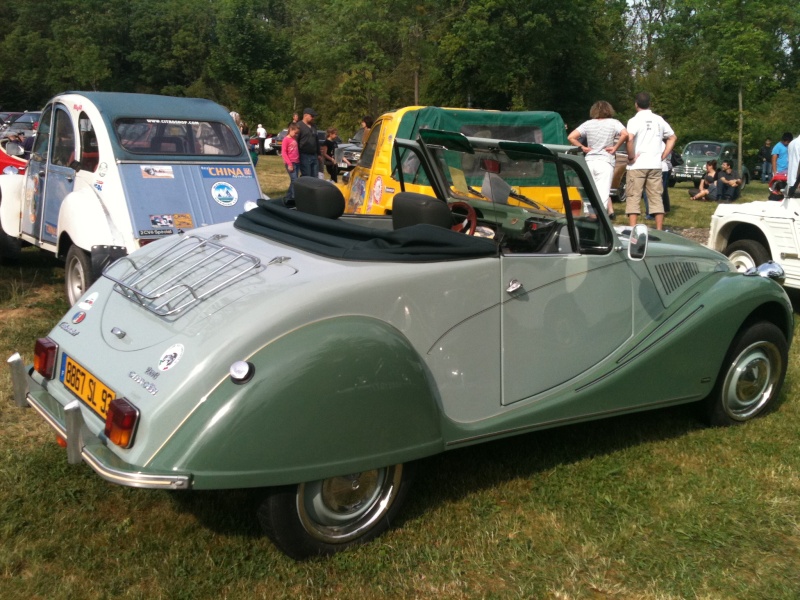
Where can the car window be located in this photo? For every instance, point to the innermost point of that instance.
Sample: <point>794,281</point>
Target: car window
<point>171,137</point>
<point>90,156</point>
<point>514,133</point>
<point>42,143</point>
<point>368,155</point>
<point>63,149</point>
<point>535,199</point>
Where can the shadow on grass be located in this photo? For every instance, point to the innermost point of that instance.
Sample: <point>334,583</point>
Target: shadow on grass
<point>456,474</point>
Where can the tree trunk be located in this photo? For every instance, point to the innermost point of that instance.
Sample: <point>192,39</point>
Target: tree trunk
<point>739,169</point>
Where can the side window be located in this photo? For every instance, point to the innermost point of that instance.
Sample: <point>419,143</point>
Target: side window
<point>592,232</point>
<point>42,142</point>
<point>63,152</point>
<point>90,155</point>
<point>368,155</point>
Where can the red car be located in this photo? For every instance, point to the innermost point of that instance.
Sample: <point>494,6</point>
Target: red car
<point>11,160</point>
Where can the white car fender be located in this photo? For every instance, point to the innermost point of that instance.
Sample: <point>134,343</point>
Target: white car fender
<point>87,221</point>
<point>11,189</point>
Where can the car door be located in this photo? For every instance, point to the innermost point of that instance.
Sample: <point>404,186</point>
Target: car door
<point>50,176</point>
<point>567,308</point>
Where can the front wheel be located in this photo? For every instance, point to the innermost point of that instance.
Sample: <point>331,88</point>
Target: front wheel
<point>77,274</point>
<point>751,376</point>
<point>326,516</point>
<point>746,254</point>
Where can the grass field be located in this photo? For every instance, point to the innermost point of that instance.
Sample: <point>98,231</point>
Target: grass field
<point>649,506</point>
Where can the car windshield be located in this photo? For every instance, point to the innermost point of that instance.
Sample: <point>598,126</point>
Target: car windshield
<point>172,137</point>
<point>702,149</point>
<point>27,118</point>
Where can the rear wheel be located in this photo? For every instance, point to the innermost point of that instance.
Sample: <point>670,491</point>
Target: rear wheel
<point>329,515</point>
<point>745,254</point>
<point>751,376</point>
<point>10,247</point>
<point>77,274</point>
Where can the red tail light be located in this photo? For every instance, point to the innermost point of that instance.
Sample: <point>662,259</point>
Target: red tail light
<point>144,241</point>
<point>121,420</point>
<point>44,357</point>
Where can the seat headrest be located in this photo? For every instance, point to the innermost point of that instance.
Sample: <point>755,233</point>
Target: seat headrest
<point>409,208</point>
<point>318,197</point>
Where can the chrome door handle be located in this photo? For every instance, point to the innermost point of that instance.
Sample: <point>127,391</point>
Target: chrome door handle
<point>513,286</point>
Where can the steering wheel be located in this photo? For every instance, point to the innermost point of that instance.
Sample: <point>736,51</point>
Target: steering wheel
<point>469,222</point>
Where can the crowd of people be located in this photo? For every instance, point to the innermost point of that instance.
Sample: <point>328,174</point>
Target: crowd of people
<point>647,137</point>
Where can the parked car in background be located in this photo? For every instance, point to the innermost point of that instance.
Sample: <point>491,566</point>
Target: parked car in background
<point>371,185</point>
<point>11,161</point>
<point>348,153</point>
<point>319,355</point>
<point>695,156</point>
<point>755,232</point>
<point>25,124</point>
<point>277,140</point>
<point>111,172</point>
<point>7,118</point>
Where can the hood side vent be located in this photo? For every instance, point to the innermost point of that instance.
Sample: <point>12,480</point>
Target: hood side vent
<point>673,275</point>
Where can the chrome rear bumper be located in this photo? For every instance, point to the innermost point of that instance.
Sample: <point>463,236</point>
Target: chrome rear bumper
<point>82,444</point>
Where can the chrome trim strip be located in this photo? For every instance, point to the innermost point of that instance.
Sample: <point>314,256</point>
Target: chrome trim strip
<point>19,380</point>
<point>74,419</point>
<point>568,420</point>
<point>137,480</point>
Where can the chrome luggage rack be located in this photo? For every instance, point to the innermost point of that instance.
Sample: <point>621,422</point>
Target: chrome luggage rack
<point>183,274</point>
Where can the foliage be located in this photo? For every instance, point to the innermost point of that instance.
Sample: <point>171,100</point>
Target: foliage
<point>348,58</point>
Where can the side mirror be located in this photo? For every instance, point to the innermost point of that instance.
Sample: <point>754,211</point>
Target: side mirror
<point>14,149</point>
<point>637,246</point>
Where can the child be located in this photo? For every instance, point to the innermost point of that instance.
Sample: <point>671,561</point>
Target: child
<point>329,153</point>
<point>291,157</point>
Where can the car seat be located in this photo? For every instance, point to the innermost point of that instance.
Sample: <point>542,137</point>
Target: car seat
<point>410,208</point>
<point>318,197</point>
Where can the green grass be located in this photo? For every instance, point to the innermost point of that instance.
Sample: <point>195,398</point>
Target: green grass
<point>649,506</point>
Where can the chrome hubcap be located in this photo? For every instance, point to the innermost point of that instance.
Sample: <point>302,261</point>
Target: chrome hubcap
<point>340,509</point>
<point>750,382</point>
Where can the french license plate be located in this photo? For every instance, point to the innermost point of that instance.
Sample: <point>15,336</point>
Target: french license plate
<point>86,386</point>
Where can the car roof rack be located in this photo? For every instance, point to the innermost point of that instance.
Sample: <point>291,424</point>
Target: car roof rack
<point>182,274</point>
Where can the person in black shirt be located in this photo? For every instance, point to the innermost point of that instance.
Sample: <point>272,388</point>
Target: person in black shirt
<point>308,144</point>
<point>765,155</point>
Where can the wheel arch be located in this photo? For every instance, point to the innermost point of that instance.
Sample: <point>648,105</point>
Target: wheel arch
<point>337,396</point>
<point>740,230</point>
<point>772,312</point>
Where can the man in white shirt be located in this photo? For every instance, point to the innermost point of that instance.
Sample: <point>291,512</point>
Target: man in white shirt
<point>650,141</point>
<point>792,175</point>
<point>262,138</point>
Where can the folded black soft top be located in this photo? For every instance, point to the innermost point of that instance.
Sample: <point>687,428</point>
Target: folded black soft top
<point>349,241</point>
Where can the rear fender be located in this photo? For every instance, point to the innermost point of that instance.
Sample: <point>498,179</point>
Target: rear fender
<point>87,223</point>
<point>11,190</point>
<point>337,396</point>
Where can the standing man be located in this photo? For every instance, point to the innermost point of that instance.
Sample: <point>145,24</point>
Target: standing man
<point>650,141</point>
<point>780,154</point>
<point>308,143</point>
<point>793,174</point>
<point>765,155</point>
<point>262,138</point>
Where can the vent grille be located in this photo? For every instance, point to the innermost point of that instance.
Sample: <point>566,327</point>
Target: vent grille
<point>674,275</point>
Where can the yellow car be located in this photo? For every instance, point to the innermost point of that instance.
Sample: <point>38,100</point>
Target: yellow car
<point>371,186</point>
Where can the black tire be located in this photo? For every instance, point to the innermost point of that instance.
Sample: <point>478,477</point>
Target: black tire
<point>77,274</point>
<point>696,183</point>
<point>751,377</point>
<point>745,254</point>
<point>672,181</point>
<point>324,517</point>
<point>10,247</point>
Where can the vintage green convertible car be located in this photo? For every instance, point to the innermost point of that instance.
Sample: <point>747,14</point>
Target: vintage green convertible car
<point>320,355</point>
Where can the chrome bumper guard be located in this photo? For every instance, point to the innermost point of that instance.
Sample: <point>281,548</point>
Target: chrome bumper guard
<point>82,445</point>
